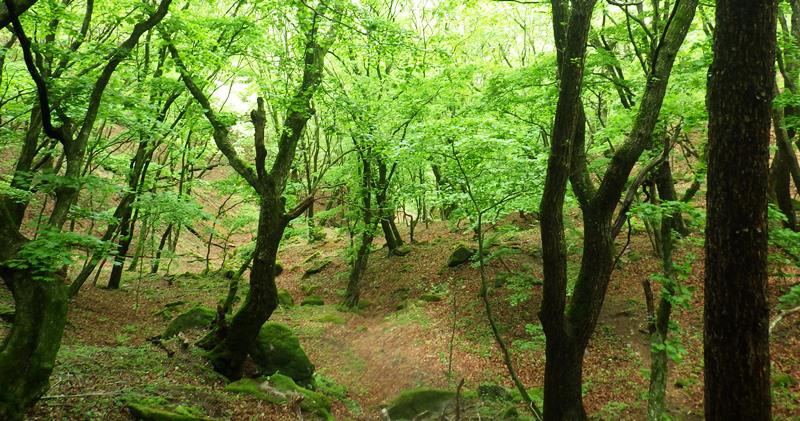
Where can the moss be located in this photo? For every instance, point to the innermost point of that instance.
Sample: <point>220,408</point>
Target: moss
<point>495,392</point>
<point>145,412</point>
<point>330,318</point>
<point>277,350</point>
<point>402,250</point>
<point>329,387</point>
<point>285,298</point>
<point>363,303</point>
<point>460,255</point>
<point>198,317</point>
<point>430,298</point>
<point>313,300</point>
<point>782,380</point>
<point>411,404</point>
<point>316,267</point>
<point>307,289</point>
<point>280,389</point>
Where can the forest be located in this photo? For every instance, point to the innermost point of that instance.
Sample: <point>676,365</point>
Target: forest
<point>399,210</point>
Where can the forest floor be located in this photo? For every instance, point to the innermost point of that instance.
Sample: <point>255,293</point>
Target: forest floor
<point>106,360</point>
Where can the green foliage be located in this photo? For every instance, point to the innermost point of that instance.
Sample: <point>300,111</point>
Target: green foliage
<point>52,250</point>
<point>535,341</point>
<point>790,299</point>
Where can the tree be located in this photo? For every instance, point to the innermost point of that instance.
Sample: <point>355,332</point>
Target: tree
<point>569,327</point>
<point>740,92</point>
<point>232,345</point>
<point>32,269</point>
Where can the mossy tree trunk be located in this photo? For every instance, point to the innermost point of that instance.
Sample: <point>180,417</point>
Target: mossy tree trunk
<point>364,244</point>
<point>232,346</point>
<point>658,319</point>
<point>28,354</point>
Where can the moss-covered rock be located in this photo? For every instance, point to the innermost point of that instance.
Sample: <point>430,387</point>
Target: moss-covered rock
<point>402,250</point>
<point>430,298</point>
<point>280,389</point>
<point>316,267</point>
<point>146,412</point>
<point>285,298</point>
<point>196,318</point>
<point>277,350</point>
<point>460,255</point>
<point>313,300</point>
<point>420,403</point>
<point>494,392</point>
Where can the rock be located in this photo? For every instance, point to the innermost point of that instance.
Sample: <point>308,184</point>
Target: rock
<point>420,403</point>
<point>313,300</point>
<point>495,392</point>
<point>460,255</point>
<point>285,298</point>
<point>402,250</point>
<point>196,318</point>
<point>277,350</point>
<point>430,298</point>
<point>316,267</point>
<point>280,389</point>
<point>151,413</point>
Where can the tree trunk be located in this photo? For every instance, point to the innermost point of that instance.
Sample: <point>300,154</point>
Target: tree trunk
<point>353,293</point>
<point>125,238</point>
<point>658,323</point>
<point>740,92</point>
<point>161,244</point>
<point>563,379</point>
<point>562,391</point>
<point>28,355</point>
<point>229,354</point>
<point>780,188</point>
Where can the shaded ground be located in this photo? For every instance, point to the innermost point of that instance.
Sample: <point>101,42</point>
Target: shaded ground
<point>383,350</point>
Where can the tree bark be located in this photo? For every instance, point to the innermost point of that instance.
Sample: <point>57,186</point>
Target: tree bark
<point>562,391</point>
<point>736,332</point>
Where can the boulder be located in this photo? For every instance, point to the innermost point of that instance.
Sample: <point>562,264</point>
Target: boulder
<point>280,389</point>
<point>285,298</point>
<point>313,300</point>
<point>460,255</point>
<point>196,318</point>
<point>277,350</point>
<point>422,403</point>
